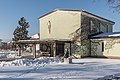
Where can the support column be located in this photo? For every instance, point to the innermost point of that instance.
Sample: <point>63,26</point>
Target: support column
<point>19,50</point>
<point>51,49</point>
<point>70,50</point>
<point>34,50</point>
<point>22,48</point>
<point>70,58</point>
<point>54,49</point>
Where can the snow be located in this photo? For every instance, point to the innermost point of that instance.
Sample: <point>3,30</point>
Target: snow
<point>27,62</point>
<point>3,55</point>
<point>7,55</point>
<point>48,68</point>
<point>35,36</point>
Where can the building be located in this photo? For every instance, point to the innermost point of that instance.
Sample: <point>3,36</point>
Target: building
<point>5,44</point>
<point>36,37</point>
<point>91,35</point>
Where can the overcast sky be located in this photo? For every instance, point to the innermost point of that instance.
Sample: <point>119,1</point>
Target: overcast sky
<point>12,10</point>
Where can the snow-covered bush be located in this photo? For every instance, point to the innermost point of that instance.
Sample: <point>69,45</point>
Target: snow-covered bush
<point>30,62</point>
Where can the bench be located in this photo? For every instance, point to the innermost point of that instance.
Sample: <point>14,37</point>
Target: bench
<point>44,54</point>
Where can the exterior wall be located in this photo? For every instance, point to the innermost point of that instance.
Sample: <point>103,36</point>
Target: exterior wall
<point>111,48</point>
<point>87,22</point>
<point>36,36</point>
<point>96,48</point>
<point>98,25</point>
<point>106,27</point>
<point>62,24</point>
<point>110,29</point>
<point>82,46</point>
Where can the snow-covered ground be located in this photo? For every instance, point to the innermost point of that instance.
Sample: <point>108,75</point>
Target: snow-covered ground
<point>46,68</point>
<point>12,54</point>
<point>7,54</point>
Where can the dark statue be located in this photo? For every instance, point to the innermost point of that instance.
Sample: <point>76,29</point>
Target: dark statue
<point>66,53</point>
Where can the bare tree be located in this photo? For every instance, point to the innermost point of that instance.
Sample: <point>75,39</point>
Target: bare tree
<point>114,4</point>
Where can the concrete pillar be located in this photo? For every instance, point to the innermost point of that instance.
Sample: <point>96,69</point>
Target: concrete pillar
<point>19,50</point>
<point>51,49</point>
<point>70,50</point>
<point>22,48</point>
<point>34,50</point>
<point>54,49</point>
<point>70,57</point>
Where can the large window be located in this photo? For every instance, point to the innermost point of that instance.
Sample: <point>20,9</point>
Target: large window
<point>94,27</point>
<point>107,28</point>
<point>104,28</point>
<point>59,49</point>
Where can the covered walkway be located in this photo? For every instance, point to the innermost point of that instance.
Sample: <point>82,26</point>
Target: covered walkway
<point>57,46</point>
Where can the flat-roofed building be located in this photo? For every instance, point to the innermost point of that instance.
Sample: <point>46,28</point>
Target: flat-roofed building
<point>86,30</point>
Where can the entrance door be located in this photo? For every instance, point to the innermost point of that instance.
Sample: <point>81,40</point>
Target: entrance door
<point>59,49</point>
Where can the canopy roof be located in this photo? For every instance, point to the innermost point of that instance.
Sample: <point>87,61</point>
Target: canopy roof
<point>42,41</point>
<point>106,35</point>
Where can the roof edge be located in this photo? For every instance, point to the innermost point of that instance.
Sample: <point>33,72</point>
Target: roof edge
<point>78,11</point>
<point>99,17</point>
<point>106,37</point>
<point>48,13</point>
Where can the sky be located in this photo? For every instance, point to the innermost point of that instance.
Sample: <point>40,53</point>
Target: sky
<point>12,10</point>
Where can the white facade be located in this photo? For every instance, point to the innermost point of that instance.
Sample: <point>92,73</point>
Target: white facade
<point>36,36</point>
<point>60,24</point>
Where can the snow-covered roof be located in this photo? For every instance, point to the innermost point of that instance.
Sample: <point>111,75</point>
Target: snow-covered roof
<point>107,35</point>
<point>35,36</point>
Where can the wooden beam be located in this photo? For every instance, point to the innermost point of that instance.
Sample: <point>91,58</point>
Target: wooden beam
<point>70,57</point>
<point>34,50</point>
<point>19,50</point>
<point>70,50</point>
<point>51,50</point>
<point>42,41</point>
